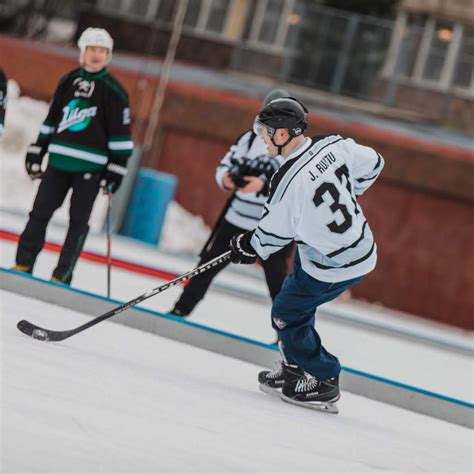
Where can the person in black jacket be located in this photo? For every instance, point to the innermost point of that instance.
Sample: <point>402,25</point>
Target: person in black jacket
<point>3,100</point>
<point>87,137</point>
<point>245,171</point>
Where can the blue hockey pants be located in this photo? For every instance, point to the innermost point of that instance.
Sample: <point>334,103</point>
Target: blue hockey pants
<point>293,317</point>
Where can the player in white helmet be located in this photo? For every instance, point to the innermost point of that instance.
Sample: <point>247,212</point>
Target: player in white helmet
<point>87,137</point>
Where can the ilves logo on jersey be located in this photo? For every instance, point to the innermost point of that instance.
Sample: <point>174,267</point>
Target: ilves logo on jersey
<point>77,115</point>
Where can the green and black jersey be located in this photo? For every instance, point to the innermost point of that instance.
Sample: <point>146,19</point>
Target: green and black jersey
<point>3,100</point>
<point>88,124</point>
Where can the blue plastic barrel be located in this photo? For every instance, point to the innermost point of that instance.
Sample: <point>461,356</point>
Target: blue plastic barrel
<point>146,210</point>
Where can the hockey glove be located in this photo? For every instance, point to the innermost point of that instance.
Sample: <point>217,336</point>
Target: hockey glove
<point>33,160</point>
<point>112,177</point>
<point>265,165</point>
<point>242,250</point>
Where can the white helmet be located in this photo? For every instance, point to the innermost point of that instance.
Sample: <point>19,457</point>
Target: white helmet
<point>95,37</point>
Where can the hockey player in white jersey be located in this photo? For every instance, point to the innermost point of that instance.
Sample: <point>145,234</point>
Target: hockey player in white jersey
<point>312,201</point>
<point>244,171</point>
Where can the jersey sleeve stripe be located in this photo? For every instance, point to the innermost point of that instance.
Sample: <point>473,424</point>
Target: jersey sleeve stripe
<point>361,180</point>
<point>120,145</point>
<point>117,169</point>
<point>259,229</point>
<point>252,203</point>
<point>376,169</point>
<point>379,161</point>
<point>267,244</point>
<point>245,215</point>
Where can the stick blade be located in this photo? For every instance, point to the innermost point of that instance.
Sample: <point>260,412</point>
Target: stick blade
<point>42,334</point>
<point>33,331</point>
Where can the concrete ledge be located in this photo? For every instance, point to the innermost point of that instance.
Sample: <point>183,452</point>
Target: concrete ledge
<point>232,345</point>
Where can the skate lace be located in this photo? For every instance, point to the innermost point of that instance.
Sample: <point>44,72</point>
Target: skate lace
<point>306,384</point>
<point>277,371</point>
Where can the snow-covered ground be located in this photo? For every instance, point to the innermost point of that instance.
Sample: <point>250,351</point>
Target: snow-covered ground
<point>115,399</point>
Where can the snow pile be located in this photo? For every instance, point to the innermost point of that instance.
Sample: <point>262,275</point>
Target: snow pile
<point>22,123</point>
<point>182,231</point>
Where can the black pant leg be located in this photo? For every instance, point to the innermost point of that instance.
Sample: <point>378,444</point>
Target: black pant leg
<point>195,290</point>
<point>51,193</point>
<point>276,269</point>
<point>85,187</point>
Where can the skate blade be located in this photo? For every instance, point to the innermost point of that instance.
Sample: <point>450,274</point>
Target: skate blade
<point>274,392</point>
<point>327,407</point>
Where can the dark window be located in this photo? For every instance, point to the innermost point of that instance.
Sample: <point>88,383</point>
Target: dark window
<point>440,40</point>
<point>217,15</point>
<point>271,21</point>
<point>192,13</point>
<point>464,75</point>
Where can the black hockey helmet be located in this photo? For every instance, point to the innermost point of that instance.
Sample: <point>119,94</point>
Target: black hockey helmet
<point>284,112</point>
<point>274,94</point>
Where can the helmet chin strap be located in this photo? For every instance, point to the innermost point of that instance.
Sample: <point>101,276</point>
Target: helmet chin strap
<point>280,147</point>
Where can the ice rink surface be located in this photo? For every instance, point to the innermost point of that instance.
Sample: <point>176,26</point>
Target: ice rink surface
<point>388,356</point>
<point>114,399</point>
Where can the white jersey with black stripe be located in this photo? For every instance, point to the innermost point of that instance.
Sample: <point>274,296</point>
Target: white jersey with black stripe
<point>313,200</point>
<point>245,209</point>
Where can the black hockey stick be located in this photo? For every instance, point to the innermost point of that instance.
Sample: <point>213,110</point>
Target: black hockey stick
<point>47,335</point>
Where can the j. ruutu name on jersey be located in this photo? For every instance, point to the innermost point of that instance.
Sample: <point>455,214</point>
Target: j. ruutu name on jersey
<point>323,165</point>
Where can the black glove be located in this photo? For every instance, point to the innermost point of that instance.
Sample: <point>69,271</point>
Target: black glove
<point>238,169</point>
<point>33,160</point>
<point>241,248</point>
<point>264,166</point>
<point>112,177</point>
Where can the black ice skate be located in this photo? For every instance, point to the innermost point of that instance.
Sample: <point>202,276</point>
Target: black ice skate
<point>271,381</point>
<point>309,392</point>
